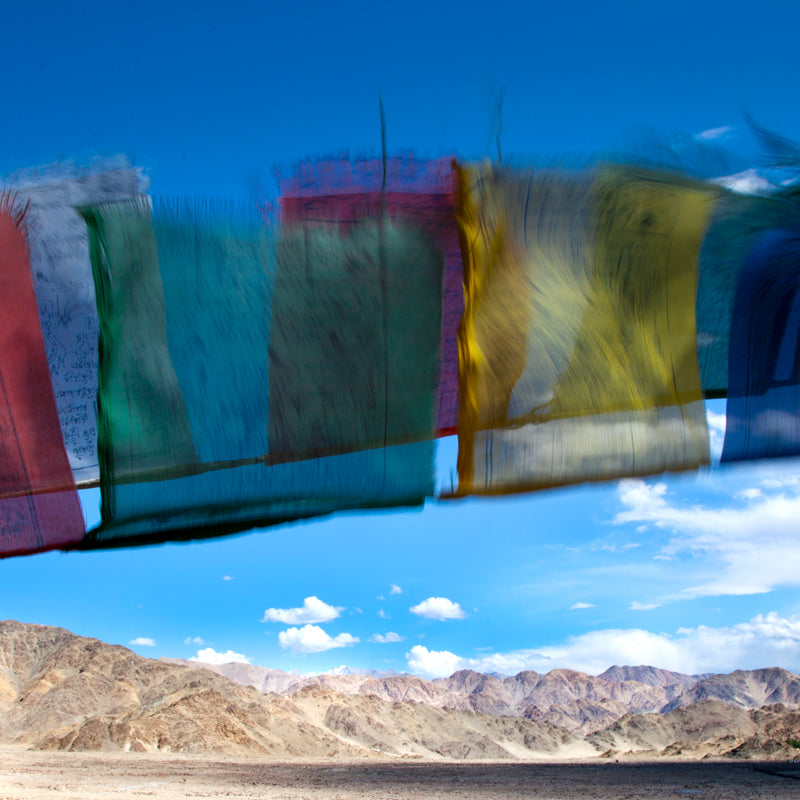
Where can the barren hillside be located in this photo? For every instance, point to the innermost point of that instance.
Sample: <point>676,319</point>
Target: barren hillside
<point>65,692</point>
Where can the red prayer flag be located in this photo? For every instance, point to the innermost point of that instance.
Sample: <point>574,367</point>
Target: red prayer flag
<point>39,506</point>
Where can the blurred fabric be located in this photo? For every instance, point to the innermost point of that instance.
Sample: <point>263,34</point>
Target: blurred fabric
<point>763,409</point>
<point>336,194</point>
<point>62,278</point>
<point>187,301</point>
<point>737,224</point>
<point>578,345</point>
<point>39,506</point>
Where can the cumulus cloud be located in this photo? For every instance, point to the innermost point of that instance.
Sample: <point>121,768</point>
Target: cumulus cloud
<point>746,547</point>
<point>435,663</point>
<point>438,608</point>
<point>313,610</point>
<point>211,656</point>
<point>576,606</point>
<point>312,639</point>
<point>764,640</point>
<point>395,589</point>
<point>193,640</point>
<point>386,638</point>
<point>143,641</point>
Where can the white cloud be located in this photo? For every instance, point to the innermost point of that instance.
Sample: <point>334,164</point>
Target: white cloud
<point>636,606</point>
<point>716,433</point>
<point>434,663</point>
<point>781,482</point>
<point>746,547</point>
<point>620,548</point>
<point>576,606</point>
<point>386,638</point>
<point>395,589</point>
<point>312,610</point>
<point>193,640</point>
<point>749,494</point>
<point>312,639</point>
<point>342,669</point>
<point>143,641</point>
<point>746,182</point>
<point>382,614</point>
<point>211,656</point>
<point>713,133</point>
<point>227,578</point>
<point>438,608</point>
<point>764,640</point>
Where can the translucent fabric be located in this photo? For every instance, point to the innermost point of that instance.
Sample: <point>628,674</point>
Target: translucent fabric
<point>353,353</point>
<point>763,409</point>
<point>186,300</point>
<point>578,344</point>
<point>62,276</point>
<point>737,223</point>
<point>39,506</point>
<point>336,194</point>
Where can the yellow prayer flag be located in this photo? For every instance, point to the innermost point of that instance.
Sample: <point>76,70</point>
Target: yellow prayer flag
<point>578,344</point>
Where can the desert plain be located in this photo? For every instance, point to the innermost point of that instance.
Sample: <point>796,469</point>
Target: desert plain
<point>58,775</point>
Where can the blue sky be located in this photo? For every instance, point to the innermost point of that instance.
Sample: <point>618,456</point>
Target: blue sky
<point>697,572</point>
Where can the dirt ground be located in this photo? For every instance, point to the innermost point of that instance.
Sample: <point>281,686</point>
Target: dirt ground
<point>29,775</point>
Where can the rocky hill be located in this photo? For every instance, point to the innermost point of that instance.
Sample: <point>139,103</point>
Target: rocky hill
<point>706,729</point>
<point>744,689</point>
<point>61,691</point>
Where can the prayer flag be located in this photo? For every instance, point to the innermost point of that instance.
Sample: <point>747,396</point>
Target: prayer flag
<point>763,409</point>
<point>337,194</point>
<point>737,223</point>
<point>186,299</point>
<point>579,359</point>
<point>354,344</point>
<point>62,277</point>
<point>39,506</point>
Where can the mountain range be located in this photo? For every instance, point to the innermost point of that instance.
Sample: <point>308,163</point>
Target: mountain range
<point>66,692</point>
<point>575,701</point>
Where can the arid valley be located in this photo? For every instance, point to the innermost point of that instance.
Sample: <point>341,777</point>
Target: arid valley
<point>84,719</point>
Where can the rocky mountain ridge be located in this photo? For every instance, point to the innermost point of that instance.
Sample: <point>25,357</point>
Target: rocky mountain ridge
<point>580,703</point>
<point>61,691</point>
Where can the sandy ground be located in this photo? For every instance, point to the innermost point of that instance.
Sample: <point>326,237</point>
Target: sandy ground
<point>27,775</point>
